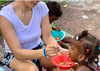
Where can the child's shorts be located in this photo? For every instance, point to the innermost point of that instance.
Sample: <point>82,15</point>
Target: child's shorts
<point>9,56</point>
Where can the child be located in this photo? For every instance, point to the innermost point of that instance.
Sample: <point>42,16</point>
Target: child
<point>84,50</point>
<point>54,13</point>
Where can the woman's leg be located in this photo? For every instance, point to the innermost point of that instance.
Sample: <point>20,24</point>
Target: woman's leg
<point>46,63</point>
<point>26,65</point>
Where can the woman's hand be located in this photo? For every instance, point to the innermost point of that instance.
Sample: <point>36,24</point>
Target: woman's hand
<point>52,50</point>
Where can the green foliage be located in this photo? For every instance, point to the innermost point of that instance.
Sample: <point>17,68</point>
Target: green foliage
<point>46,1</point>
<point>5,2</point>
<point>2,1</point>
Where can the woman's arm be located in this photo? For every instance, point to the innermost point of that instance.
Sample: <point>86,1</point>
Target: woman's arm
<point>10,36</point>
<point>46,34</point>
<point>47,37</point>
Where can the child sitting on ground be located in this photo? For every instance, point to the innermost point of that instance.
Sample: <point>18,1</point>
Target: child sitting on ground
<point>84,50</point>
<point>54,13</point>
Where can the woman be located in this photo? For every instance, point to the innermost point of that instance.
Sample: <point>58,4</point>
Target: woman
<point>22,23</point>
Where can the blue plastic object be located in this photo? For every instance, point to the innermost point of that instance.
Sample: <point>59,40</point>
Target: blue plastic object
<point>60,34</point>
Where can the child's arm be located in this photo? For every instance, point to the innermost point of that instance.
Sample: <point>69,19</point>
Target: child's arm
<point>67,39</point>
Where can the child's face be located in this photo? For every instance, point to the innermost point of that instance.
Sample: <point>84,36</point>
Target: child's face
<point>74,51</point>
<point>52,18</point>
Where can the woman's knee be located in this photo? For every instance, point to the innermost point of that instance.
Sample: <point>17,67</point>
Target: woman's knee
<point>19,65</point>
<point>30,68</point>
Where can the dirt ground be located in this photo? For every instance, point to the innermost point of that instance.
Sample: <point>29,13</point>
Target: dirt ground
<point>75,18</point>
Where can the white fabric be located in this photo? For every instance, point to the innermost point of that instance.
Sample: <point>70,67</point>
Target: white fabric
<point>28,35</point>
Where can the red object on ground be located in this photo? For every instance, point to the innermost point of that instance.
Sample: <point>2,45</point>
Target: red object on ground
<point>57,60</point>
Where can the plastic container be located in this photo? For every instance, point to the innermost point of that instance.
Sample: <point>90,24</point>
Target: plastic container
<point>60,34</point>
<point>57,60</point>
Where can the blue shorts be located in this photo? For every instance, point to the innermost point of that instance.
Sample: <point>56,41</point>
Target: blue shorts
<point>9,56</point>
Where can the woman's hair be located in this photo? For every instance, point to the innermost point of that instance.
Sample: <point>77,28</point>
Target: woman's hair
<point>54,8</point>
<point>91,46</point>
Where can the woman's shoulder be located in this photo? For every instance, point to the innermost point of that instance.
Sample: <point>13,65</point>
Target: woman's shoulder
<point>6,10</point>
<point>41,4</point>
<point>42,8</point>
<point>6,13</point>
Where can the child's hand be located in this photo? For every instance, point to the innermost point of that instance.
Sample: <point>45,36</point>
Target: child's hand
<point>58,29</point>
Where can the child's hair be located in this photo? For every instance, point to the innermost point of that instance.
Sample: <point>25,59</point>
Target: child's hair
<point>54,8</point>
<point>91,46</point>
